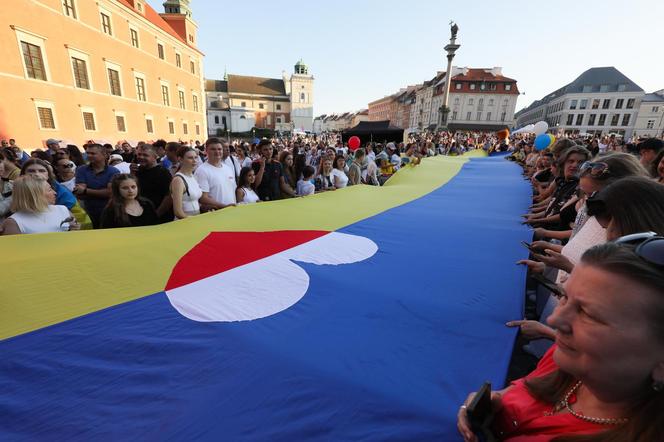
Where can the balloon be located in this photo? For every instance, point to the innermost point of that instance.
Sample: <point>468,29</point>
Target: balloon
<point>502,134</point>
<point>354,143</point>
<point>540,127</point>
<point>543,141</point>
<point>553,139</point>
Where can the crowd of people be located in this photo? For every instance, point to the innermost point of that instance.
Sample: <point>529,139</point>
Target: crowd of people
<point>106,186</point>
<point>596,264</point>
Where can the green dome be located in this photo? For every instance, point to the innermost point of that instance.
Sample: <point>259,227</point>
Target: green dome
<point>301,68</point>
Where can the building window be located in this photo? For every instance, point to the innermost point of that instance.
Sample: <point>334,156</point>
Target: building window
<point>133,33</point>
<point>583,104</point>
<point>160,50</point>
<point>120,121</point>
<point>488,116</point>
<point>587,88</point>
<point>114,82</point>
<point>595,104</point>
<point>89,121</point>
<point>192,67</point>
<point>278,119</point>
<point>185,128</point>
<point>148,125</point>
<point>492,86</point>
<point>456,100</point>
<point>619,103</point>
<point>572,104</point>
<point>34,63</point>
<point>491,102</point>
<point>194,102</point>
<point>469,116</point>
<point>171,127</point>
<point>181,97</point>
<point>243,104</point>
<point>454,115</point>
<point>508,87</point>
<point>106,24</point>
<point>198,129</point>
<point>178,60</point>
<point>140,89</point>
<point>261,106</point>
<point>502,116</point>
<point>216,119</point>
<point>606,103</point>
<point>570,119</point>
<point>457,86</point>
<point>579,119</point>
<point>630,103</point>
<point>614,119</point>
<point>604,88</point>
<point>622,87</point>
<point>602,120</point>
<point>650,124</point>
<point>625,120</point>
<point>655,109</point>
<point>80,73</point>
<point>165,96</point>
<point>46,120</point>
<point>591,120</point>
<point>472,86</point>
<point>482,86</point>
<point>479,116</point>
<point>302,97</point>
<point>471,101</point>
<point>69,8</point>
<point>278,107</point>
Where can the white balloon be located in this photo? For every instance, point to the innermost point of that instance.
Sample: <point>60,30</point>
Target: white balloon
<point>540,127</point>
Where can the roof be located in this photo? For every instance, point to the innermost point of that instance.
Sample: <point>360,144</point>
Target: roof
<point>153,17</point>
<point>593,80</point>
<point>480,74</point>
<point>256,85</point>
<point>216,86</point>
<point>654,97</point>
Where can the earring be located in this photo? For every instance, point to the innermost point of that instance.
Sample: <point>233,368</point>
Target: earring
<point>658,386</point>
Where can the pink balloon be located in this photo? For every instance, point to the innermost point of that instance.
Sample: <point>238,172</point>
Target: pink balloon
<point>354,143</point>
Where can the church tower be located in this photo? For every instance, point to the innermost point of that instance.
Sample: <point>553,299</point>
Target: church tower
<point>301,93</point>
<point>177,13</point>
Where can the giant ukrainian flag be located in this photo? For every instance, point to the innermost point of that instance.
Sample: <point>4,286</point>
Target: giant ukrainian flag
<point>365,313</point>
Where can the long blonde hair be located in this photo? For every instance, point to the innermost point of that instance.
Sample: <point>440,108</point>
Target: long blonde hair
<point>28,195</point>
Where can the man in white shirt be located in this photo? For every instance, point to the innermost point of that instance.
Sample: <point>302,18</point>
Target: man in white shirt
<point>229,159</point>
<point>216,179</point>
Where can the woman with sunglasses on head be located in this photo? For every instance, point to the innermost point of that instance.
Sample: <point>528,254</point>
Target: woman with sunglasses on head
<point>125,208</point>
<point>34,209</point>
<point>603,381</point>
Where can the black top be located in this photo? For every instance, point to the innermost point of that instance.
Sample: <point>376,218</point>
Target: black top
<point>154,184</point>
<point>564,191</point>
<point>270,184</point>
<point>147,218</point>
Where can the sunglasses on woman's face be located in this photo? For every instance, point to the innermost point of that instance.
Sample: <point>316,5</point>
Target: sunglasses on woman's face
<point>596,170</point>
<point>650,247</point>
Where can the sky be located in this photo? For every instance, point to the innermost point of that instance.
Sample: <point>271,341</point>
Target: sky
<point>362,50</point>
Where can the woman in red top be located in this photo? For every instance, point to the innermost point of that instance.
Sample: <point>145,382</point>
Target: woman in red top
<point>604,378</point>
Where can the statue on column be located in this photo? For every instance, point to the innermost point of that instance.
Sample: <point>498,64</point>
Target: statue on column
<point>454,28</point>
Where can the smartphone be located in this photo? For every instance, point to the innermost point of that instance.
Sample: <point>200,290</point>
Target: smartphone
<point>480,414</point>
<point>529,247</point>
<point>548,284</point>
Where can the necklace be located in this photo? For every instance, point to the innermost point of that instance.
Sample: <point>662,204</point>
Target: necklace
<point>564,403</point>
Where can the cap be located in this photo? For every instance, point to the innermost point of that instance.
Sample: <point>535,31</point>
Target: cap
<point>115,157</point>
<point>52,141</point>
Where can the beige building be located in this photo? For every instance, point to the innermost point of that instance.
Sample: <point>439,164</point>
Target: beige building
<point>650,118</point>
<point>81,70</point>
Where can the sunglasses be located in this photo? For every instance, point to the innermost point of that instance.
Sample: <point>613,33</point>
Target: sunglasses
<point>596,170</point>
<point>650,246</point>
<point>67,166</point>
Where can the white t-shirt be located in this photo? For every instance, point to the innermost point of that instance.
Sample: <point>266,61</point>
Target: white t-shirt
<point>339,178</point>
<point>233,163</point>
<point>69,184</point>
<point>305,188</point>
<point>49,221</point>
<point>218,181</point>
<point>123,167</point>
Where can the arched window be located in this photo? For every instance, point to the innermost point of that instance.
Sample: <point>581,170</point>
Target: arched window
<point>302,96</point>
<point>242,117</point>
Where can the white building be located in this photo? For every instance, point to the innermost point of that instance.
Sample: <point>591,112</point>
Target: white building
<point>650,118</point>
<point>600,101</point>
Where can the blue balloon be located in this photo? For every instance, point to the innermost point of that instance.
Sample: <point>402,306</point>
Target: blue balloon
<point>542,141</point>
